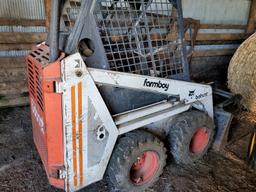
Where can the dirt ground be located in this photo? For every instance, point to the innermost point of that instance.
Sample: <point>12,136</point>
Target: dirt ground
<point>22,170</point>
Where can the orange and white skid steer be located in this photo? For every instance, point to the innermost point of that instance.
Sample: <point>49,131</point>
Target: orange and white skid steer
<point>106,102</point>
<point>75,133</point>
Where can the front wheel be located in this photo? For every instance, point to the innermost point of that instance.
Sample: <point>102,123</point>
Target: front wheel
<point>190,136</point>
<point>137,161</point>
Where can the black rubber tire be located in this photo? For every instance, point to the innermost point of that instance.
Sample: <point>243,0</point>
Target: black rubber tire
<point>128,148</point>
<point>181,131</point>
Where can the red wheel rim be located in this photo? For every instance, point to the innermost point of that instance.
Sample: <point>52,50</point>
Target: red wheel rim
<point>199,140</point>
<point>145,168</point>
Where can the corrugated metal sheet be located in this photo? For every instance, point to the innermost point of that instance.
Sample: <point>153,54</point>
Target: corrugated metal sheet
<point>22,29</point>
<point>218,11</point>
<point>13,53</point>
<point>216,47</point>
<point>22,9</point>
<point>208,11</point>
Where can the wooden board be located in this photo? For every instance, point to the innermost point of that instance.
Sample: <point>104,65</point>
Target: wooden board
<point>13,75</point>
<point>17,47</point>
<point>14,102</point>
<point>21,22</point>
<point>222,26</point>
<point>12,62</point>
<point>214,53</point>
<point>13,88</point>
<point>13,83</point>
<point>20,37</point>
<point>47,5</point>
<point>252,18</point>
<point>218,36</point>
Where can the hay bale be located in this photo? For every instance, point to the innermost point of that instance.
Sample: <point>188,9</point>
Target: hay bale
<point>242,73</point>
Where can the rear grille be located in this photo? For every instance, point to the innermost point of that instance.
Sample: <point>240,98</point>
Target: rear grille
<point>34,74</point>
<point>141,36</point>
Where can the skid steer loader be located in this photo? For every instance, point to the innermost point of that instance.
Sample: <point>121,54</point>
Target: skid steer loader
<point>109,85</point>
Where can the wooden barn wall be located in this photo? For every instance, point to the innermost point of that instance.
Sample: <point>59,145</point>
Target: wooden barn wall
<point>22,25</point>
<point>221,26</point>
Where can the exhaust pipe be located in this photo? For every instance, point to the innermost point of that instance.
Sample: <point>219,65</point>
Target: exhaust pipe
<point>54,31</point>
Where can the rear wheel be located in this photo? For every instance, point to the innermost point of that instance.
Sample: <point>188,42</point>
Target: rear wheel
<point>190,136</point>
<point>137,161</point>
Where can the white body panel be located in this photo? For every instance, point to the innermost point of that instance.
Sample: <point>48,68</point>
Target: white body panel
<point>89,129</point>
<point>79,173</point>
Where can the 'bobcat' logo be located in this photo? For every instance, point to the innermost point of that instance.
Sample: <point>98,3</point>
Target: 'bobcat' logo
<point>191,93</point>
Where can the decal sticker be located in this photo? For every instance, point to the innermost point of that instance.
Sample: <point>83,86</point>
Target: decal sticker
<point>191,93</point>
<point>159,84</point>
<point>200,96</point>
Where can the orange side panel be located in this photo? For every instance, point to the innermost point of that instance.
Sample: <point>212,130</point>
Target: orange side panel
<point>46,111</point>
<point>53,120</point>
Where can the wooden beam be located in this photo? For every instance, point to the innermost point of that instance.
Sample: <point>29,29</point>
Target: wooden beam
<point>13,83</point>
<point>17,47</point>
<point>12,62</point>
<point>212,53</point>
<point>13,75</point>
<point>218,36</point>
<point>14,102</point>
<point>13,88</point>
<point>21,22</point>
<point>21,37</point>
<point>47,8</point>
<point>222,26</point>
<point>252,18</point>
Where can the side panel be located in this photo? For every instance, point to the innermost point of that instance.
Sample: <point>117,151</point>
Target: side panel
<point>46,111</point>
<point>53,120</point>
<point>90,133</point>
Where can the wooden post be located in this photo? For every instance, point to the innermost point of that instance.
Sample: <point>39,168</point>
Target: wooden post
<point>252,18</point>
<point>47,7</point>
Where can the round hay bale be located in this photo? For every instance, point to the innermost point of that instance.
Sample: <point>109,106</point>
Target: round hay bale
<point>242,73</point>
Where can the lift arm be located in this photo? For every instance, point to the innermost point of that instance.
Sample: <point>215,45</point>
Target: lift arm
<point>186,92</point>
